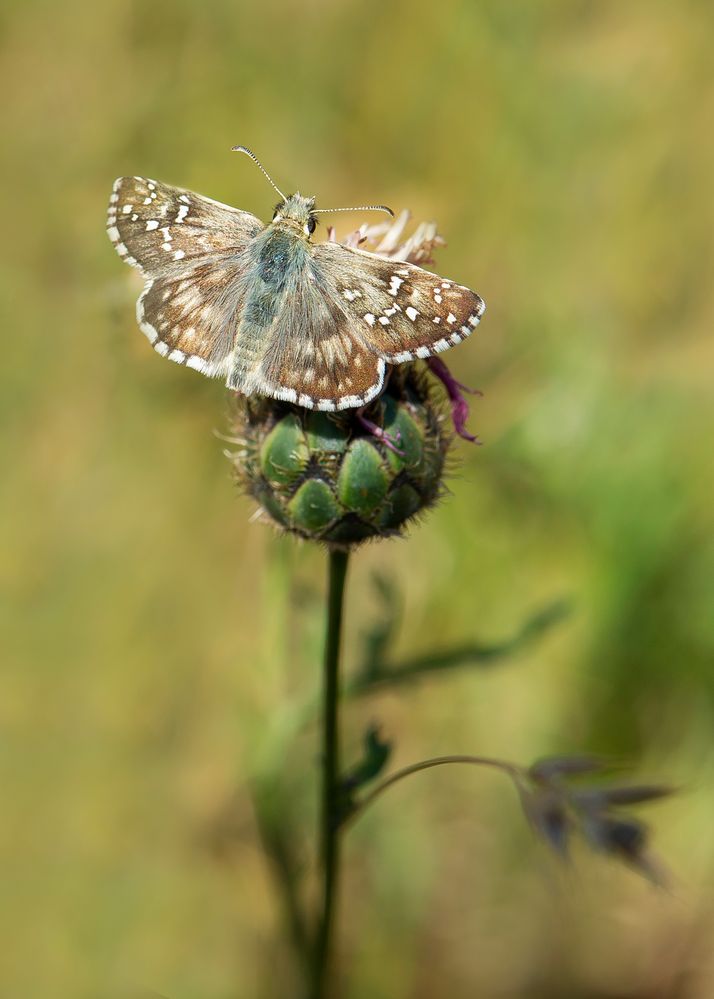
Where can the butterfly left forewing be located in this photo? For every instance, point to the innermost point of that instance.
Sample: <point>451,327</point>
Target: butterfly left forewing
<point>154,226</point>
<point>401,311</point>
<point>194,255</point>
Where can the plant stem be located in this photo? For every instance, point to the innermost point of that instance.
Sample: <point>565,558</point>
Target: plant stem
<point>329,832</point>
<point>514,772</point>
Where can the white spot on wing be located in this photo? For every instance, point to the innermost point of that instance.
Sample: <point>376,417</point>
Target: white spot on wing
<point>288,394</point>
<point>412,312</point>
<point>198,364</point>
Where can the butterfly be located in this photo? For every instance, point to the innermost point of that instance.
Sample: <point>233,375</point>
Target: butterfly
<point>268,310</point>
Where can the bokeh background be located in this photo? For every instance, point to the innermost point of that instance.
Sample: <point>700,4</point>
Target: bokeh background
<point>158,643</point>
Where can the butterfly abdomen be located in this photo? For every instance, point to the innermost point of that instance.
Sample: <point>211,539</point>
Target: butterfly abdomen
<point>278,256</point>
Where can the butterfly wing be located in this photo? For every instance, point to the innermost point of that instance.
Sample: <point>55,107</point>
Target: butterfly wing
<point>154,226</point>
<point>194,254</point>
<point>348,314</point>
<point>318,331</point>
<point>399,310</point>
<point>313,355</point>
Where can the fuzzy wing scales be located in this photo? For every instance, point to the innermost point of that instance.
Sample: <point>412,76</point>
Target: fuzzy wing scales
<point>311,355</point>
<point>194,254</point>
<point>401,311</point>
<point>191,314</point>
<point>155,226</point>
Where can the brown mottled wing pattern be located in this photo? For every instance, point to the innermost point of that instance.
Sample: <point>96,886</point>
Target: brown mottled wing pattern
<point>399,310</point>
<point>192,314</point>
<point>192,252</point>
<point>314,358</point>
<point>273,314</point>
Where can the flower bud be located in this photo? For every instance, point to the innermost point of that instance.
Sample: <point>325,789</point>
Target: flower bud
<point>329,477</point>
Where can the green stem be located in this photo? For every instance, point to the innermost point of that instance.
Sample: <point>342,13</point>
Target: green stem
<point>514,772</point>
<point>329,833</point>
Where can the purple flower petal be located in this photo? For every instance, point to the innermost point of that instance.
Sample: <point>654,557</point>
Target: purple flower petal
<point>454,390</point>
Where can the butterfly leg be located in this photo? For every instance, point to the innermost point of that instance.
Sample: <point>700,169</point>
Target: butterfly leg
<point>455,391</point>
<point>388,440</point>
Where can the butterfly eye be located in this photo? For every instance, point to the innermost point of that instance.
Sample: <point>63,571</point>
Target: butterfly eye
<point>310,226</point>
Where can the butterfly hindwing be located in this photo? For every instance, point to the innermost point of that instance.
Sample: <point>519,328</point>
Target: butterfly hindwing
<point>399,310</point>
<point>313,356</point>
<point>191,314</point>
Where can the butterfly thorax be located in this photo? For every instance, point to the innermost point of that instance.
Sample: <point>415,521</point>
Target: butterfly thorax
<point>296,212</point>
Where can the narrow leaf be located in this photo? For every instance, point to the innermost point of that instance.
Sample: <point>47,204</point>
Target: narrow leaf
<point>376,753</point>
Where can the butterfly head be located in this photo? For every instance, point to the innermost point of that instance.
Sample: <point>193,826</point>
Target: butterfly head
<point>296,212</point>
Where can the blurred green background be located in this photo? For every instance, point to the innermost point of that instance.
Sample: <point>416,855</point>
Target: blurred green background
<point>156,639</point>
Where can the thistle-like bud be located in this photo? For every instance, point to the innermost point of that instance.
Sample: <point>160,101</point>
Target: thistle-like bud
<point>329,477</point>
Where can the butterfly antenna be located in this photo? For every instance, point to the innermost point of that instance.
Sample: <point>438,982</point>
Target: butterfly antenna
<point>244,149</point>
<point>360,208</point>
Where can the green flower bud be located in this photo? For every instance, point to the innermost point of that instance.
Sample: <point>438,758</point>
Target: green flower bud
<point>328,477</point>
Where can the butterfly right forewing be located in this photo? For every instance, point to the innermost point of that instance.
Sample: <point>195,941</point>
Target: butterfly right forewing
<point>400,310</point>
